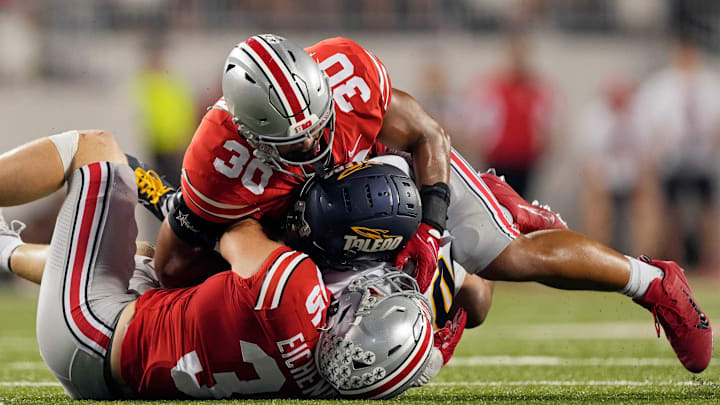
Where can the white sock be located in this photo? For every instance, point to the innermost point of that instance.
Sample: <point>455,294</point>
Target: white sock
<point>7,250</point>
<point>641,275</point>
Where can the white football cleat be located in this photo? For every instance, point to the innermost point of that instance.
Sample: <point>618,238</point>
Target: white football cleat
<point>9,240</point>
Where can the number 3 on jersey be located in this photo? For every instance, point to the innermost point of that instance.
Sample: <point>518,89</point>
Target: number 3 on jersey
<point>270,378</point>
<point>234,167</point>
<point>342,93</point>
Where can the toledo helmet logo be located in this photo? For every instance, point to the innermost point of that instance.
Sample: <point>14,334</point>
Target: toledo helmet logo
<point>352,169</point>
<point>371,240</point>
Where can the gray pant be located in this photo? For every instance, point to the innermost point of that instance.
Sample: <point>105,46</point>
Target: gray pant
<point>481,226</point>
<point>85,284</point>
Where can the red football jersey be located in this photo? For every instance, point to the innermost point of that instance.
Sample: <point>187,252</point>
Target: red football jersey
<point>231,336</point>
<point>223,182</point>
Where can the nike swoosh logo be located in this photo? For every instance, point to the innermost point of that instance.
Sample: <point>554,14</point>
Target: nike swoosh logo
<point>433,244</point>
<point>352,152</point>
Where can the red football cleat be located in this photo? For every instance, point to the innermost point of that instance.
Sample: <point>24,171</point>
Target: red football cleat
<point>528,217</point>
<point>685,324</point>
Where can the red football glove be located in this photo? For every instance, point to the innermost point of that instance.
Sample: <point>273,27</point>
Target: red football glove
<point>447,338</point>
<point>423,249</point>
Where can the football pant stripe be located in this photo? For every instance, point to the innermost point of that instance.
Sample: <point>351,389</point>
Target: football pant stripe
<point>268,282</point>
<point>88,328</point>
<point>284,85</point>
<point>480,189</point>
<point>280,288</point>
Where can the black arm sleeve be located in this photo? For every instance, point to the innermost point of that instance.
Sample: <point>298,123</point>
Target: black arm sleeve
<point>435,202</point>
<point>192,228</point>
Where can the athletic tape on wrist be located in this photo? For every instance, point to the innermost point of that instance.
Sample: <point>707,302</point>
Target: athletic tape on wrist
<point>66,144</point>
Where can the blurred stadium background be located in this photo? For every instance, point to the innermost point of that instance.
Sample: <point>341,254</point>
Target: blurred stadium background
<point>146,70</point>
<point>83,64</point>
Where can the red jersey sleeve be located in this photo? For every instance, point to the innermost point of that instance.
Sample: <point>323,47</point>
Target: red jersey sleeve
<point>293,297</point>
<point>291,304</point>
<point>362,92</point>
<point>349,65</point>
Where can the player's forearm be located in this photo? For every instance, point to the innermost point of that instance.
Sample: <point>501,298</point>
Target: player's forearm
<point>431,157</point>
<point>407,126</point>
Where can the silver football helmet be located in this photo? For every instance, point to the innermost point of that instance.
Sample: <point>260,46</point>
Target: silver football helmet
<point>279,97</point>
<point>379,342</point>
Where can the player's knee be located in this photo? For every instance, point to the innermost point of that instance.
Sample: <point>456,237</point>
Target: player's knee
<point>97,146</point>
<point>519,261</point>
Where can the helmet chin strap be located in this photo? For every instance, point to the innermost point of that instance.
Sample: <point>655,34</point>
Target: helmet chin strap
<point>319,167</point>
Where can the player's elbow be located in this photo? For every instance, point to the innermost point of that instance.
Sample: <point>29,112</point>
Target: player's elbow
<point>172,271</point>
<point>191,267</point>
<point>442,137</point>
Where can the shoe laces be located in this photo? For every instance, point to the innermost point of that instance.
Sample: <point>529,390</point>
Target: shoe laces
<point>656,321</point>
<point>150,184</point>
<point>661,311</point>
<point>15,227</point>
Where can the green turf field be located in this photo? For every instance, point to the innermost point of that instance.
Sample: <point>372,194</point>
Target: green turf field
<point>537,346</point>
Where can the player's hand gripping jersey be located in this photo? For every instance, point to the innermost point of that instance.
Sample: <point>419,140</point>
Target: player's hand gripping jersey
<point>223,181</point>
<point>231,336</point>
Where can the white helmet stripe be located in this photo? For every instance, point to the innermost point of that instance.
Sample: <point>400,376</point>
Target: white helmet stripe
<point>283,82</point>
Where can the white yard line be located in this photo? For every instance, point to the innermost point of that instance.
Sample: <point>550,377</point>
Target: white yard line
<point>631,330</point>
<point>577,330</point>
<point>26,365</point>
<point>569,383</point>
<point>479,361</point>
<point>513,361</point>
<point>29,384</point>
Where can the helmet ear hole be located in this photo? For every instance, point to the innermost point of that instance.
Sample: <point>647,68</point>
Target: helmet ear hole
<point>358,365</point>
<point>249,78</point>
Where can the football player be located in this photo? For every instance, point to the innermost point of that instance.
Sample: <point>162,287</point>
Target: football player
<point>287,113</point>
<point>353,222</point>
<point>343,218</point>
<point>105,332</point>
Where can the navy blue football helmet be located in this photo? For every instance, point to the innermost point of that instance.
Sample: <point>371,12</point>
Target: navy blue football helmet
<point>355,217</point>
